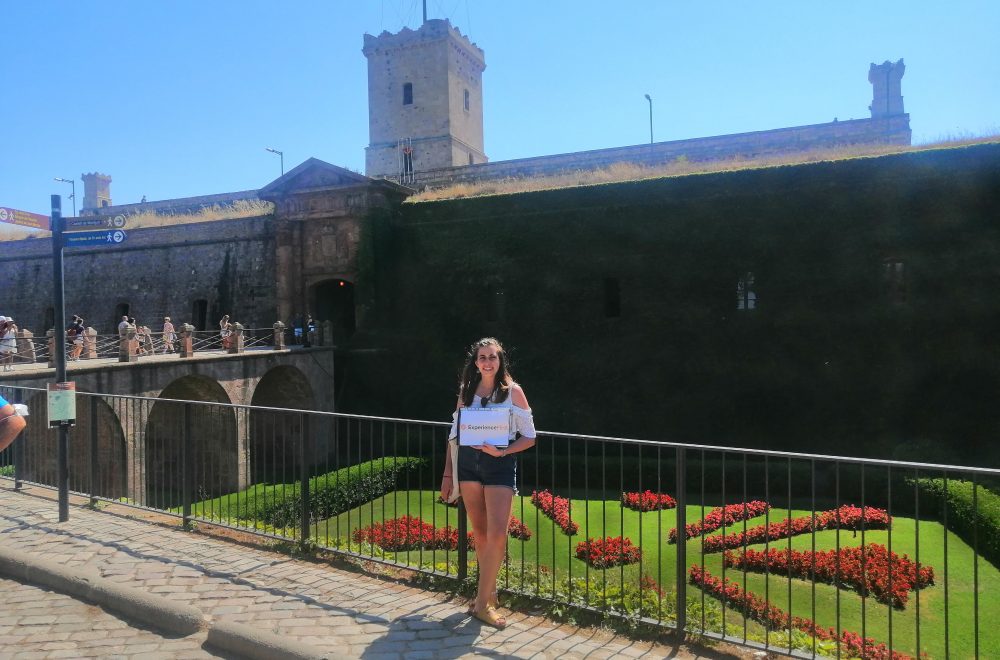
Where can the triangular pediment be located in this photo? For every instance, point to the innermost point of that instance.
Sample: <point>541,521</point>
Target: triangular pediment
<point>311,176</point>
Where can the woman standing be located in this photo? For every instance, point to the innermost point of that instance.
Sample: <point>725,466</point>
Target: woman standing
<point>225,331</point>
<point>169,335</point>
<point>8,342</point>
<point>487,474</point>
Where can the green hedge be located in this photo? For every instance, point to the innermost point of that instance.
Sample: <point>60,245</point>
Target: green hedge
<point>330,493</point>
<point>964,519</point>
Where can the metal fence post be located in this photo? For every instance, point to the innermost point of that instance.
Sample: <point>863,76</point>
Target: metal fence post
<point>463,546</point>
<point>304,476</point>
<point>93,452</point>
<point>18,447</point>
<point>186,459</point>
<point>681,509</point>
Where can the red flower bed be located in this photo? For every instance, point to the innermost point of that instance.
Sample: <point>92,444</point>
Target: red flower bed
<point>775,618</point>
<point>607,552</point>
<point>723,517</point>
<point>846,517</point>
<point>647,501</point>
<point>867,569</point>
<point>407,533</point>
<point>556,508</point>
<point>411,533</point>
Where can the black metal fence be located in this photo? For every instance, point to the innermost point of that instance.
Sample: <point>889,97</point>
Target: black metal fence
<point>796,553</point>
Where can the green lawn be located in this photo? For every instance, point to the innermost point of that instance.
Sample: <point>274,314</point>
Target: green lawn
<point>552,549</point>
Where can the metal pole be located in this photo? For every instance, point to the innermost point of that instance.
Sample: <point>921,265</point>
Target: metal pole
<point>60,348</point>
<point>304,446</point>
<point>463,547</point>
<point>425,17</point>
<point>681,584</point>
<point>650,99</point>
<point>282,155</point>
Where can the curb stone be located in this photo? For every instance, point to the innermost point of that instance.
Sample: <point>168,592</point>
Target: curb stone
<point>153,610</point>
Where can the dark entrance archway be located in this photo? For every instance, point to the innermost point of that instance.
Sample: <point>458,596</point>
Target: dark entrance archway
<point>333,300</point>
<point>275,434</point>
<point>39,462</point>
<point>212,453</point>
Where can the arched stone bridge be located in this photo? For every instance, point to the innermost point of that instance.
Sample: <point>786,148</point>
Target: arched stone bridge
<point>137,441</point>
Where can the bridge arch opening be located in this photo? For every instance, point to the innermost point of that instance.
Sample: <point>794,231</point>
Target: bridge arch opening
<point>212,452</point>
<point>40,457</point>
<point>275,435</point>
<point>333,300</point>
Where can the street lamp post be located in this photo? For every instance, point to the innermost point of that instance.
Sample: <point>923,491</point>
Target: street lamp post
<point>73,195</point>
<point>281,154</point>
<point>650,99</point>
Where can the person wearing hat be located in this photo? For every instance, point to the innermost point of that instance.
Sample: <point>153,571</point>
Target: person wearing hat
<point>8,342</point>
<point>169,335</point>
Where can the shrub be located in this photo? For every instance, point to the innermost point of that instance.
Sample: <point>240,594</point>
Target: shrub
<point>978,525</point>
<point>607,552</point>
<point>647,501</point>
<point>329,494</point>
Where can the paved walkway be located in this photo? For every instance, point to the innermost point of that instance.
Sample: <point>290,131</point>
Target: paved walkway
<point>338,612</point>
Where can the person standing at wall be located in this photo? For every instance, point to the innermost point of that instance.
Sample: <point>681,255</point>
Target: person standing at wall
<point>8,342</point>
<point>140,341</point>
<point>75,334</point>
<point>123,327</point>
<point>225,331</point>
<point>487,474</point>
<point>169,335</point>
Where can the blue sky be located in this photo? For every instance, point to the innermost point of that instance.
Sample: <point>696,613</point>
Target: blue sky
<point>180,98</point>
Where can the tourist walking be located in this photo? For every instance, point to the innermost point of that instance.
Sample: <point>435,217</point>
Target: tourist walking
<point>140,341</point>
<point>487,473</point>
<point>169,335</point>
<point>74,333</point>
<point>225,331</point>
<point>8,342</point>
<point>123,327</point>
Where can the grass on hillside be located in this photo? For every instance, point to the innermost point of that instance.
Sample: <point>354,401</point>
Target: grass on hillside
<point>627,171</point>
<point>550,550</point>
<point>241,208</point>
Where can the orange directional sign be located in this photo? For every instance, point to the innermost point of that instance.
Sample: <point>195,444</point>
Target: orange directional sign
<point>24,218</point>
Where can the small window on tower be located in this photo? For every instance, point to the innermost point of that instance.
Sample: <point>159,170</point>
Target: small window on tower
<point>407,93</point>
<point>470,160</point>
<point>466,100</point>
<point>746,297</point>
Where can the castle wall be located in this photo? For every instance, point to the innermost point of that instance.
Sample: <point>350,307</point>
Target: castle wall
<point>874,287</point>
<point>884,130</point>
<point>158,271</point>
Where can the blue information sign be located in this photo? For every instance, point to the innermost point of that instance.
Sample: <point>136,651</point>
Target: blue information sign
<point>108,238</point>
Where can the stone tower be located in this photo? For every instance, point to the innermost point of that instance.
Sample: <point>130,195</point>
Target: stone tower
<point>96,191</point>
<point>425,101</point>
<point>887,91</point>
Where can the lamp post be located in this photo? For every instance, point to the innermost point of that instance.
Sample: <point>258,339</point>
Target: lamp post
<point>650,99</point>
<point>281,154</point>
<point>73,195</point>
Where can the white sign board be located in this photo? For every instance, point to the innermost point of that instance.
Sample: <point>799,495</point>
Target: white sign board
<point>484,426</point>
<point>62,404</point>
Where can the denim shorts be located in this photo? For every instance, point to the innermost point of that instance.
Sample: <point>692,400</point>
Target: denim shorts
<point>474,465</point>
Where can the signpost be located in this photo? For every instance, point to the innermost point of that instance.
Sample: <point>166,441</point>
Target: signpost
<point>95,222</point>
<point>24,218</point>
<point>94,238</point>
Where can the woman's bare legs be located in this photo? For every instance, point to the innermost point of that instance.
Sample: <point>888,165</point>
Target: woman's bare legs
<point>489,513</point>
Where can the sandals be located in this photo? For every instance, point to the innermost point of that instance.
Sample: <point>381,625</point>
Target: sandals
<point>491,617</point>
<point>494,603</point>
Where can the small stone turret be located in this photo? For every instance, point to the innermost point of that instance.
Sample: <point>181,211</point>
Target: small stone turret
<point>887,94</point>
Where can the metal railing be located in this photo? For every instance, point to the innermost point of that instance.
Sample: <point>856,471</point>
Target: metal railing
<point>795,553</point>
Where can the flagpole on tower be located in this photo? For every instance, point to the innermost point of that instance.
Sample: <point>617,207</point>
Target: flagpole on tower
<point>425,12</point>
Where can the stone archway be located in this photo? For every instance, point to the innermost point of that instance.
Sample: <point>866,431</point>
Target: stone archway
<point>94,420</point>
<point>333,300</point>
<point>213,450</point>
<point>275,434</point>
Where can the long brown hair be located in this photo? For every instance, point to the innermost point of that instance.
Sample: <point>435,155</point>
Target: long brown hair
<point>471,376</point>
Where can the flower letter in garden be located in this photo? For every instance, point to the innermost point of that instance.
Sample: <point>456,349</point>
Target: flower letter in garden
<point>647,501</point>
<point>607,552</point>
<point>556,508</point>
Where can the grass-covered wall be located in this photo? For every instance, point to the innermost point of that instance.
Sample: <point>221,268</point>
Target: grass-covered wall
<point>875,332</point>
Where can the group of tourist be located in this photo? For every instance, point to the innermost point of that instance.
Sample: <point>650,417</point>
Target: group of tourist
<point>144,336</point>
<point>8,342</point>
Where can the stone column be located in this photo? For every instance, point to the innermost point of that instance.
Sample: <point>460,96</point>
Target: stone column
<point>90,344</point>
<point>326,336</point>
<point>236,339</point>
<point>51,334</point>
<point>127,345</point>
<point>25,346</point>
<point>279,336</point>
<point>187,340</point>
